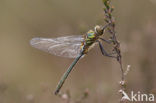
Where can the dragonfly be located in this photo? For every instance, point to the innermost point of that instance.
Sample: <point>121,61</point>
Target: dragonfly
<point>76,46</point>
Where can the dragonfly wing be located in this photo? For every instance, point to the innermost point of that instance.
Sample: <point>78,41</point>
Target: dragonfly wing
<point>68,46</point>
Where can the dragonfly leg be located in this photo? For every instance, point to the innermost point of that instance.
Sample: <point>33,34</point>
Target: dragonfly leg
<point>106,26</point>
<point>104,52</point>
<point>107,41</point>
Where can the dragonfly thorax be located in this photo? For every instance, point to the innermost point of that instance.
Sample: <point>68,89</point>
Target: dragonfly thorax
<point>91,34</point>
<point>89,40</point>
<point>91,37</point>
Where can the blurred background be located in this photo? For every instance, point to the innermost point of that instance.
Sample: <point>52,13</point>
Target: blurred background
<point>28,75</point>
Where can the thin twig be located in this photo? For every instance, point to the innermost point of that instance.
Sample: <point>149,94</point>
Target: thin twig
<point>111,29</point>
<point>109,19</point>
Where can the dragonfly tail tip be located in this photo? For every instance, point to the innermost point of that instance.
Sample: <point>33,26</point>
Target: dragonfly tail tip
<point>56,92</point>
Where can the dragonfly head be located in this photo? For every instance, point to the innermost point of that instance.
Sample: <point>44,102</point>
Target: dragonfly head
<point>99,30</point>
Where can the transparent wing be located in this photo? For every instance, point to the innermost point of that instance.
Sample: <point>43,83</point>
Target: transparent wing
<point>68,46</point>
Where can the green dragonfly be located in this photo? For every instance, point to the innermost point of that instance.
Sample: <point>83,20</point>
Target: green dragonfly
<point>72,47</point>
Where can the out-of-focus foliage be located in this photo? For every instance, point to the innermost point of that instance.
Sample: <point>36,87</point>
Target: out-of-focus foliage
<point>28,75</point>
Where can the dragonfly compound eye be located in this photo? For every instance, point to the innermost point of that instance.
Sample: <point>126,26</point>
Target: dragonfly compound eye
<point>98,30</point>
